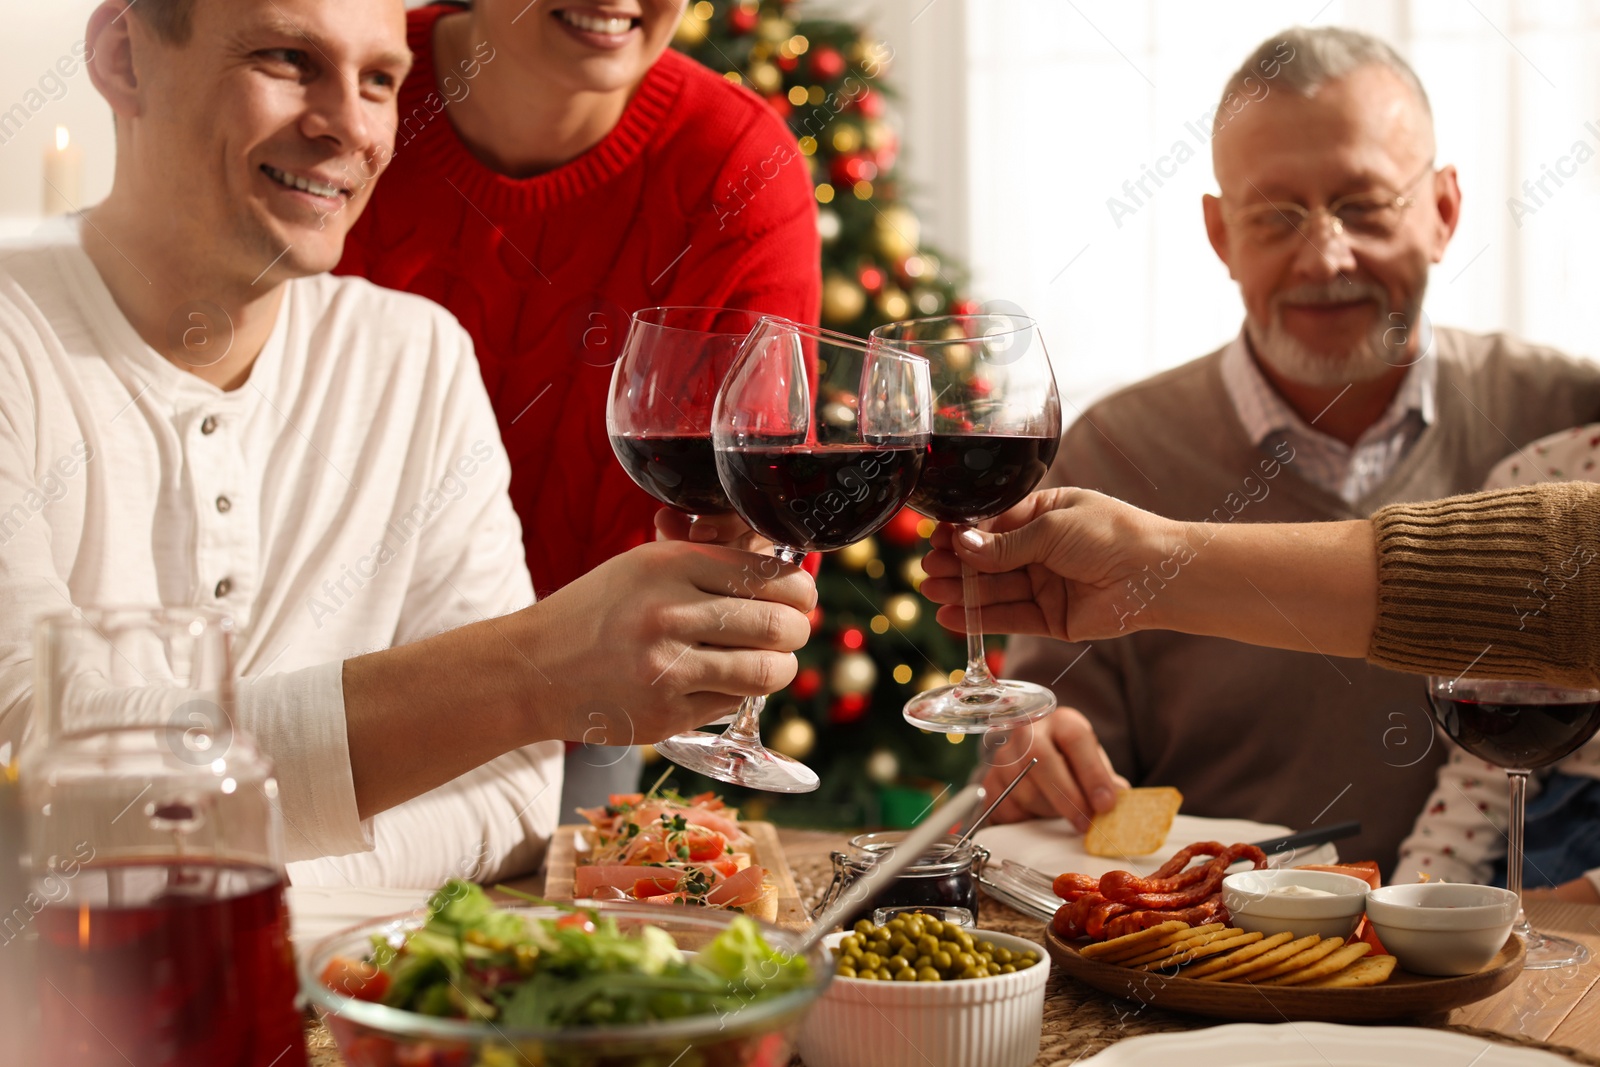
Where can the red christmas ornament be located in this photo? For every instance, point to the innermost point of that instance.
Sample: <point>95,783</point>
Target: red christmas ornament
<point>848,708</point>
<point>780,105</point>
<point>852,638</point>
<point>964,306</point>
<point>902,529</point>
<point>981,387</point>
<point>827,63</point>
<point>788,64</point>
<point>815,618</point>
<point>806,684</point>
<point>852,167</point>
<point>742,19</point>
<point>870,104</point>
<point>871,279</point>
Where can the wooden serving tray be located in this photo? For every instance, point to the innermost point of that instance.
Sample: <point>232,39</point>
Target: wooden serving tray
<point>1403,996</point>
<point>562,859</point>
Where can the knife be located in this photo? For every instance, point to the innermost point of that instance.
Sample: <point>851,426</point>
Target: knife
<point>1310,838</point>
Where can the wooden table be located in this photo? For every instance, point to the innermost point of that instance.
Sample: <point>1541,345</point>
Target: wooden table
<point>1557,1010</point>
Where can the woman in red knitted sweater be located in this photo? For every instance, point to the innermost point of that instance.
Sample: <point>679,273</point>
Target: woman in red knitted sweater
<point>557,168</point>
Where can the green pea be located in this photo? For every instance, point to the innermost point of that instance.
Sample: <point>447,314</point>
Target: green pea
<point>951,947</point>
<point>942,960</point>
<point>971,972</point>
<point>905,974</point>
<point>985,958</point>
<point>927,945</point>
<point>1027,961</point>
<point>964,961</point>
<point>1007,968</point>
<point>896,925</point>
<point>862,927</point>
<point>1002,956</point>
<point>867,976</point>
<point>928,974</point>
<point>899,943</point>
<point>850,942</point>
<point>914,926</point>
<point>986,946</point>
<point>965,940</point>
<point>993,969</point>
<point>896,962</point>
<point>837,951</point>
<point>871,960</point>
<point>922,961</point>
<point>846,971</point>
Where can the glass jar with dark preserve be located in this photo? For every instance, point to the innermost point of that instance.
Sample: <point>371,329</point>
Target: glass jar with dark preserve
<point>946,876</point>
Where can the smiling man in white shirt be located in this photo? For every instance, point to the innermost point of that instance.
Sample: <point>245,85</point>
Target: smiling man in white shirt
<point>205,417</point>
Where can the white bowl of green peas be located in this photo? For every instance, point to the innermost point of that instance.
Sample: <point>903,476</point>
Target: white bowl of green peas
<point>926,993</point>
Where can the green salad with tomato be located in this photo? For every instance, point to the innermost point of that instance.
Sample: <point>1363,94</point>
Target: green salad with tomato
<point>473,960</point>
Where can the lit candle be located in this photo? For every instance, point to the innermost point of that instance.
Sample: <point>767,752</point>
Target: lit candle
<point>63,175</point>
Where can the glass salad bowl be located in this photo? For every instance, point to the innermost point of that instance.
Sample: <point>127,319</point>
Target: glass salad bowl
<point>750,1025</point>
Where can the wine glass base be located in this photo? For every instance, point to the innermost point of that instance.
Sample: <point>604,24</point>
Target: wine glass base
<point>957,709</point>
<point>1546,952</point>
<point>738,762</point>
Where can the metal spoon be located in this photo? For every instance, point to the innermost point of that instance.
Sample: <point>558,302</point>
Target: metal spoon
<point>890,864</point>
<point>980,820</point>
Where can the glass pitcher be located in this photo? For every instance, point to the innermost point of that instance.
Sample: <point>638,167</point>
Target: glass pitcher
<point>155,852</point>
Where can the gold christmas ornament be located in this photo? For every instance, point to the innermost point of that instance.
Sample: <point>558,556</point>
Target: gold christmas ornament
<point>828,225</point>
<point>692,29</point>
<point>897,231</point>
<point>842,299</point>
<point>853,672</point>
<point>902,674</point>
<point>846,139</point>
<point>893,303</point>
<point>914,573</point>
<point>931,680</point>
<point>766,78</point>
<point>794,738</point>
<point>883,766</point>
<point>926,301</point>
<point>859,554</point>
<point>958,358</point>
<point>773,30</point>
<point>875,569</point>
<point>878,134</point>
<point>904,609</point>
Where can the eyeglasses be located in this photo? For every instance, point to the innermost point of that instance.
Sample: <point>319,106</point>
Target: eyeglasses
<point>1369,216</point>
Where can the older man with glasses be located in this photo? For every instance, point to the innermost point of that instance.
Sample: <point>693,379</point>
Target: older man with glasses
<point>1336,398</point>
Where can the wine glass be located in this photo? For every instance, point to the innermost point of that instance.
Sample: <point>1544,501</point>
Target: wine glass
<point>658,414</point>
<point>818,439</point>
<point>1520,726</point>
<point>996,426</point>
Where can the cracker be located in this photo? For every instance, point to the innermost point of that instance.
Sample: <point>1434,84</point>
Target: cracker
<point>1211,948</point>
<point>1172,948</point>
<point>1374,971</point>
<point>1332,963</point>
<point>1239,956</point>
<point>1162,944</point>
<point>1136,942</point>
<point>1326,947</point>
<point>1137,826</point>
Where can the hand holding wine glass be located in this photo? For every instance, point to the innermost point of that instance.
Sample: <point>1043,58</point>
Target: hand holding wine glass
<point>996,426</point>
<point>818,439</point>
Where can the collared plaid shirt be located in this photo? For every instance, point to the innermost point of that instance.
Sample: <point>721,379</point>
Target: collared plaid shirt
<point>1347,472</point>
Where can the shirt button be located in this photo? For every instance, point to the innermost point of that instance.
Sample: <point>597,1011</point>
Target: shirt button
<point>224,587</point>
<point>224,504</point>
<point>209,426</point>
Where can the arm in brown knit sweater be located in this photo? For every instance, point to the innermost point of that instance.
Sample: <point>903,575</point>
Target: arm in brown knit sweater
<point>1505,583</point>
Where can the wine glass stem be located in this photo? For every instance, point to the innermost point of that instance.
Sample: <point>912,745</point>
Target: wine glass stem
<point>1519,807</point>
<point>746,725</point>
<point>977,675</point>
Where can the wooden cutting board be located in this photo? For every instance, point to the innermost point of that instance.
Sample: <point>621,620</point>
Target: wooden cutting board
<point>562,859</point>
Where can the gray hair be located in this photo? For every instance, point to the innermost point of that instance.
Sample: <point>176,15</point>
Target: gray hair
<point>1304,58</point>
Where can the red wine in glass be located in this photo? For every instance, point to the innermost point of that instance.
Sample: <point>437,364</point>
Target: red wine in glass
<point>819,438</point>
<point>168,964</point>
<point>819,499</point>
<point>970,477</point>
<point>677,469</point>
<point>1520,726</point>
<point>993,437</point>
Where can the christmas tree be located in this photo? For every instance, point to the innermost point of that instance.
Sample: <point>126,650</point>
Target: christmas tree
<point>874,643</point>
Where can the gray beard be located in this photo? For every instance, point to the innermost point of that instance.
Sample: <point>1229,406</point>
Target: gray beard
<point>1383,349</point>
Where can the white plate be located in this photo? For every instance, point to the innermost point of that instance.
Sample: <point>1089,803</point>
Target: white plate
<point>1317,1045</point>
<point>1053,845</point>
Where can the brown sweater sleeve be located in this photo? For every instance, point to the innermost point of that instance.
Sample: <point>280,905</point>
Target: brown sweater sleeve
<point>1505,584</point>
